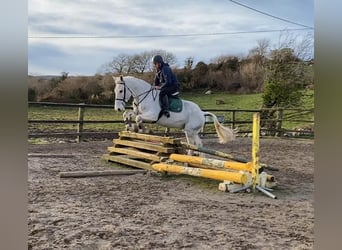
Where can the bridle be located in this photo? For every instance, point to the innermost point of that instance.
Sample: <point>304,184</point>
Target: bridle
<point>135,97</point>
<point>124,96</point>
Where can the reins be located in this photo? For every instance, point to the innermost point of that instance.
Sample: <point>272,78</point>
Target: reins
<point>136,97</point>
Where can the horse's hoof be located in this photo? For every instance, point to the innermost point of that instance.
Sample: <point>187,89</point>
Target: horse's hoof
<point>196,153</point>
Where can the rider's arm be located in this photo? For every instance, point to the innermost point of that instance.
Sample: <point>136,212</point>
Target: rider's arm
<point>167,75</point>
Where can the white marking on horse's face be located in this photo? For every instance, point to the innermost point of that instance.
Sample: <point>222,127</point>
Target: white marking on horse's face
<point>121,96</point>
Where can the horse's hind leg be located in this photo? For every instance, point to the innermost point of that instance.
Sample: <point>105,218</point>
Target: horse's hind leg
<point>198,143</point>
<point>194,139</point>
<point>197,139</point>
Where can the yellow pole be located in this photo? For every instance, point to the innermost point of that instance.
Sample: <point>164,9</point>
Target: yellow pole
<point>221,175</point>
<point>212,162</point>
<point>255,149</point>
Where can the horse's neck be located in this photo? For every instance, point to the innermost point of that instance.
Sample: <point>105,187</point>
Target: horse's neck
<point>144,96</point>
<point>137,86</point>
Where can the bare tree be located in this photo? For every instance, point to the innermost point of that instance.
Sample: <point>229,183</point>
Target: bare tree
<point>189,61</point>
<point>138,63</point>
<point>259,53</point>
<point>130,65</point>
<point>142,62</point>
<point>262,47</point>
<point>168,57</point>
<point>302,45</point>
<point>219,59</point>
<point>119,64</point>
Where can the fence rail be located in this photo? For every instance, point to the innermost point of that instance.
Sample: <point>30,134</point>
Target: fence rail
<point>226,116</point>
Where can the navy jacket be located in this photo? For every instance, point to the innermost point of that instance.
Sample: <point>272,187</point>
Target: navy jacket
<point>165,77</point>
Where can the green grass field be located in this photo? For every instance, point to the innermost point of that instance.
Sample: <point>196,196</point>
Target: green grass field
<point>250,101</point>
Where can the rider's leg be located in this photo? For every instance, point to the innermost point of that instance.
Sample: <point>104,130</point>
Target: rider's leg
<point>164,102</point>
<point>163,95</point>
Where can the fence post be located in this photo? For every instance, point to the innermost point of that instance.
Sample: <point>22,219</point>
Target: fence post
<point>280,113</point>
<point>233,118</point>
<point>80,122</point>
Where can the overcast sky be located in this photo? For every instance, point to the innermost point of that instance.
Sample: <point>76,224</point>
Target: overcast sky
<point>80,36</point>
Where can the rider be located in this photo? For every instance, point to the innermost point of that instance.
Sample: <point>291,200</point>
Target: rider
<point>166,81</point>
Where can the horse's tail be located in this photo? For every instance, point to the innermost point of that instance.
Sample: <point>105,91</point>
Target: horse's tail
<point>225,134</point>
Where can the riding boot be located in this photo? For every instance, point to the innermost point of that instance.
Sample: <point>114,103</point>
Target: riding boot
<point>165,105</point>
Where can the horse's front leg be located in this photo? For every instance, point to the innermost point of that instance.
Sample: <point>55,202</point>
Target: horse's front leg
<point>139,124</point>
<point>139,119</point>
<point>128,117</point>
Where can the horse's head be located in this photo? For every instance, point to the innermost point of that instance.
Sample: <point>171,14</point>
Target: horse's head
<point>122,94</point>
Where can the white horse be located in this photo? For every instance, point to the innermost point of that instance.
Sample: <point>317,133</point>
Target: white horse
<point>147,108</point>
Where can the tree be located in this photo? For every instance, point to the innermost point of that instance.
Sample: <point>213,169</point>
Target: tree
<point>141,62</point>
<point>284,78</point>
<point>92,89</point>
<point>199,76</point>
<point>259,53</point>
<point>188,63</point>
<point>55,81</point>
<point>119,64</point>
<point>302,45</point>
<point>285,75</point>
<point>168,57</point>
<point>283,82</point>
<point>32,95</point>
<point>137,63</point>
<point>252,76</point>
<point>261,49</point>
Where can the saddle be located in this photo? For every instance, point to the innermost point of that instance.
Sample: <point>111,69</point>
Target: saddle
<point>175,103</point>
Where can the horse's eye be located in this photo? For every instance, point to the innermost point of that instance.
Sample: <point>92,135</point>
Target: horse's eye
<point>120,91</point>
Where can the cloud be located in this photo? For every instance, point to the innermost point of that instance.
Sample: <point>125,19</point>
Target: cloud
<point>64,18</point>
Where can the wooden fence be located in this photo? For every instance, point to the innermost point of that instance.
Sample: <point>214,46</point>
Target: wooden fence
<point>229,117</point>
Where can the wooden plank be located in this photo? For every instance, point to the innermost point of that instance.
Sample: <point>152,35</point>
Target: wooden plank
<point>80,174</point>
<point>144,145</point>
<point>127,161</point>
<point>151,138</point>
<point>136,153</point>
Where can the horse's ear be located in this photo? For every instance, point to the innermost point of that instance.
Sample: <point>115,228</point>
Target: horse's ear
<point>121,78</point>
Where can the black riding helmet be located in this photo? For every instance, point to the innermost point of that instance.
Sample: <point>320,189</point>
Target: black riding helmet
<point>157,59</point>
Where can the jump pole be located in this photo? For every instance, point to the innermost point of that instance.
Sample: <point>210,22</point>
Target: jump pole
<point>213,162</point>
<point>222,154</point>
<point>212,152</point>
<point>222,175</point>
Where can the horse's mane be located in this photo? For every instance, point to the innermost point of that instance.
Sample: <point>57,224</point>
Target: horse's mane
<point>140,82</point>
<point>136,80</point>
